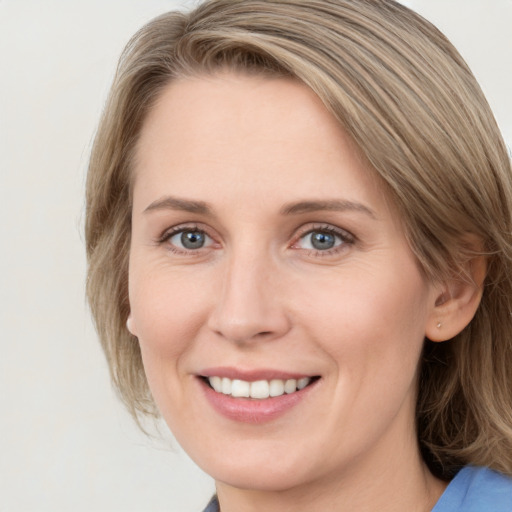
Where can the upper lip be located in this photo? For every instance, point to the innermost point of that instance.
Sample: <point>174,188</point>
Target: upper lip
<point>251,375</point>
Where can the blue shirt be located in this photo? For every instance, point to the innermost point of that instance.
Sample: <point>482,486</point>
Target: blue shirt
<point>472,490</point>
<point>477,490</point>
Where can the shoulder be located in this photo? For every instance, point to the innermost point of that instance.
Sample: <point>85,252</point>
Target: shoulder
<point>476,490</point>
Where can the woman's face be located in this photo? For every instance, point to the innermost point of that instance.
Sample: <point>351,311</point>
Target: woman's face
<point>266,257</point>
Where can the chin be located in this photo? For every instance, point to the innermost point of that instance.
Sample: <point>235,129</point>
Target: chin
<point>254,477</point>
<point>260,467</point>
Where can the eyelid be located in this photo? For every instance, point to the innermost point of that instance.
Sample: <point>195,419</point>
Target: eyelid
<point>168,233</point>
<point>329,228</point>
<point>345,236</point>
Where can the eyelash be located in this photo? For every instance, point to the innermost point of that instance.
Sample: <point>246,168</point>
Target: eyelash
<point>167,235</point>
<point>345,237</point>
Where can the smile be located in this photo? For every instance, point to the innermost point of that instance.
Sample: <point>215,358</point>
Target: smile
<point>254,396</point>
<point>260,389</point>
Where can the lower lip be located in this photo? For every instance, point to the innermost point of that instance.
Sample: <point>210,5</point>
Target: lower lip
<point>254,411</point>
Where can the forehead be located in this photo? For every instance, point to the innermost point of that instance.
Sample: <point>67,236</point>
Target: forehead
<point>227,107</point>
<point>272,135</point>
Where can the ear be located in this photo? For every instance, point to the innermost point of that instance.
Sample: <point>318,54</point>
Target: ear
<point>456,301</point>
<point>130,325</point>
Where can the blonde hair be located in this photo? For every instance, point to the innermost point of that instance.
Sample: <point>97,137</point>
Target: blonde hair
<point>409,101</point>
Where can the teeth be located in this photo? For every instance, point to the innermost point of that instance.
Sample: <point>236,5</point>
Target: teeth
<point>276,387</point>
<point>216,383</point>
<point>226,386</point>
<point>259,389</point>
<point>290,386</point>
<point>240,388</point>
<point>302,383</point>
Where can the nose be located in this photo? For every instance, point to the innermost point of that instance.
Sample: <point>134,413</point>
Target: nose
<point>250,305</point>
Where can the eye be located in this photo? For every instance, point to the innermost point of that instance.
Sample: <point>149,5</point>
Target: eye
<point>323,240</point>
<point>189,239</point>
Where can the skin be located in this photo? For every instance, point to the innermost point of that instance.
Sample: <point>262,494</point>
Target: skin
<point>257,295</point>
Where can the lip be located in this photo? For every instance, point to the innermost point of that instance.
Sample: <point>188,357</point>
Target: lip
<point>253,411</point>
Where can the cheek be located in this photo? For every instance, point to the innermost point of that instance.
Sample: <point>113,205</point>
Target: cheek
<point>371,326</point>
<point>168,309</point>
<point>370,316</point>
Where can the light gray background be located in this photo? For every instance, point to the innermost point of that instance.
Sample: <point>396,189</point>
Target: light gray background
<point>65,442</point>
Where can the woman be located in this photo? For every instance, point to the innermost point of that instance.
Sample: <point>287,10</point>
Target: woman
<point>298,231</point>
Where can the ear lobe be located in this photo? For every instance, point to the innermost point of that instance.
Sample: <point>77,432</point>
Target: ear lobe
<point>457,301</point>
<point>129,325</point>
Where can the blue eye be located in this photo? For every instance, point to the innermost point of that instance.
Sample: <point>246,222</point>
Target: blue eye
<point>320,240</point>
<point>190,239</point>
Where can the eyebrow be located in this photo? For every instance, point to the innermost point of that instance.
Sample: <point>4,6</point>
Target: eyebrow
<point>186,205</point>
<point>335,205</point>
<point>301,207</point>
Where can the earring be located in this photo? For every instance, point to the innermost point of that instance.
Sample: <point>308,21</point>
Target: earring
<point>439,325</point>
<point>128,325</point>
